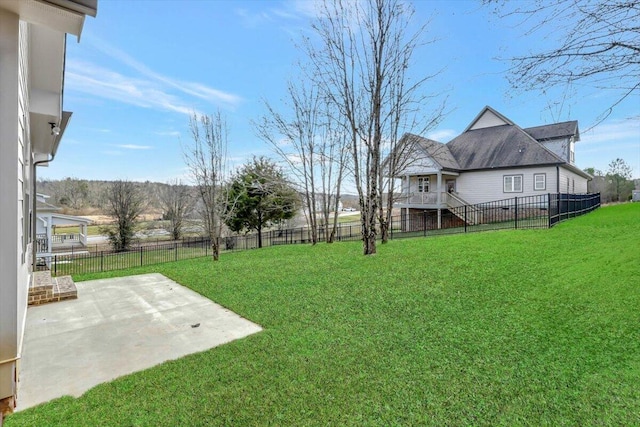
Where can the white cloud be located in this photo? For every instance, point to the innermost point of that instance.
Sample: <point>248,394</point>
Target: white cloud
<point>286,12</point>
<point>98,81</point>
<point>615,131</point>
<point>192,88</point>
<point>134,147</point>
<point>608,141</point>
<point>147,89</point>
<point>173,133</point>
<point>442,135</point>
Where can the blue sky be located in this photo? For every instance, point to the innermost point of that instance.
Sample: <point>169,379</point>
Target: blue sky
<point>143,66</point>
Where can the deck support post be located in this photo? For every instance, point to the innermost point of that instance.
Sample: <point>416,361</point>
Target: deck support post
<point>439,199</point>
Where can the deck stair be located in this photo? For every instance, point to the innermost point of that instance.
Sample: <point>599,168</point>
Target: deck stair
<point>456,206</point>
<point>45,289</point>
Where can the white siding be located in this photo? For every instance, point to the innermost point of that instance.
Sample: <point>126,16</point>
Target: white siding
<point>487,120</point>
<point>24,176</point>
<point>560,147</point>
<point>485,186</point>
<point>424,165</point>
<point>12,275</point>
<point>571,182</point>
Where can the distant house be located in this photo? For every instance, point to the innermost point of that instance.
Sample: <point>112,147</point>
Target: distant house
<point>32,122</point>
<point>48,217</point>
<point>492,159</point>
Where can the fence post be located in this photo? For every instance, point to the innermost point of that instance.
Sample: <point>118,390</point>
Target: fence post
<point>101,261</point>
<point>140,256</point>
<point>175,247</point>
<point>465,218</point>
<point>559,203</point>
<point>424,223</point>
<point>516,213</point>
<point>55,265</point>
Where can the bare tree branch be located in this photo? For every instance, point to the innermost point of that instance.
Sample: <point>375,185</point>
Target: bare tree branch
<point>596,44</point>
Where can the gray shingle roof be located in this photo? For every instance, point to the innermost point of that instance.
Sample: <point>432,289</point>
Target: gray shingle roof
<point>553,131</point>
<point>438,151</point>
<point>498,147</point>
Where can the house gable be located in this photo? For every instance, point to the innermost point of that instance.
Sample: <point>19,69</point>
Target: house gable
<point>418,155</point>
<point>488,117</point>
<point>559,138</point>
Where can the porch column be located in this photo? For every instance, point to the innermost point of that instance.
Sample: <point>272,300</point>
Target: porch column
<point>408,189</point>
<point>49,230</point>
<point>407,220</point>
<point>439,199</point>
<point>83,234</point>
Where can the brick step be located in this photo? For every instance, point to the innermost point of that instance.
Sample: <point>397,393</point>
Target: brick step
<point>45,289</point>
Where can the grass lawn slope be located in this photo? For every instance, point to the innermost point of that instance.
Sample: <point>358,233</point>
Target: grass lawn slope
<point>521,327</point>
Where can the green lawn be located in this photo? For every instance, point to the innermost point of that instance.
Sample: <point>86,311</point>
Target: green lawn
<point>518,327</point>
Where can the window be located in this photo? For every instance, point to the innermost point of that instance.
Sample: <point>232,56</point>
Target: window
<point>572,154</point>
<point>513,183</point>
<point>539,181</point>
<point>423,184</point>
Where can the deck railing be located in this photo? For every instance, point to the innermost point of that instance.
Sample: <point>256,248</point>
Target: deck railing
<point>418,198</point>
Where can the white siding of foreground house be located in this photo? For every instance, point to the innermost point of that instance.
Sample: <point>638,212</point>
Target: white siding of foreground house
<point>14,183</point>
<point>32,49</point>
<point>570,182</point>
<point>488,185</point>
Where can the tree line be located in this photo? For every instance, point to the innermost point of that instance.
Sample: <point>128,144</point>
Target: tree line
<point>614,184</point>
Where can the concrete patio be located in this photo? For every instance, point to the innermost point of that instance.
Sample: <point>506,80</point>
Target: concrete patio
<point>116,327</point>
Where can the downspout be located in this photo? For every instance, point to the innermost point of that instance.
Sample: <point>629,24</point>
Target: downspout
<point>34,218</point>
<point>66,116</point>
<point>557,179</point>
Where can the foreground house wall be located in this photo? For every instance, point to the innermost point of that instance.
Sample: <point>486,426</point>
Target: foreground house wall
<point>14,183</point>
<point>32,55</point>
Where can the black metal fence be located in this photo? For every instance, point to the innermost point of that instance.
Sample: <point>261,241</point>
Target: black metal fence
<point>563,206</point>
<point>515,213</point>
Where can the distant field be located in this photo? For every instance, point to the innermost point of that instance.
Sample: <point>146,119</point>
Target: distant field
<point>505,328</point>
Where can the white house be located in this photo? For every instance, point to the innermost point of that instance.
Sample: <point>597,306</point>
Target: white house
<point>492,159</point>
<point>32,57</point>
<point>48,217</point>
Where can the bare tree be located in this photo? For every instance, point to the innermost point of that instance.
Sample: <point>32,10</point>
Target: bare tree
<point>334,162</point>
<point>206,158</point>
<point>312,149</point>
<point>176,201</point>
<point>596,44</point>
<point>124,204</point>
<point>363,54</point>
<point>75,193</point>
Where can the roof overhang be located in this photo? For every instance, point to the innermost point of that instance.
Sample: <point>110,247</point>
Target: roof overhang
<point>44,142</point>
<point>578,171</point>
<point>49,23</point>
<point>64,16</point>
